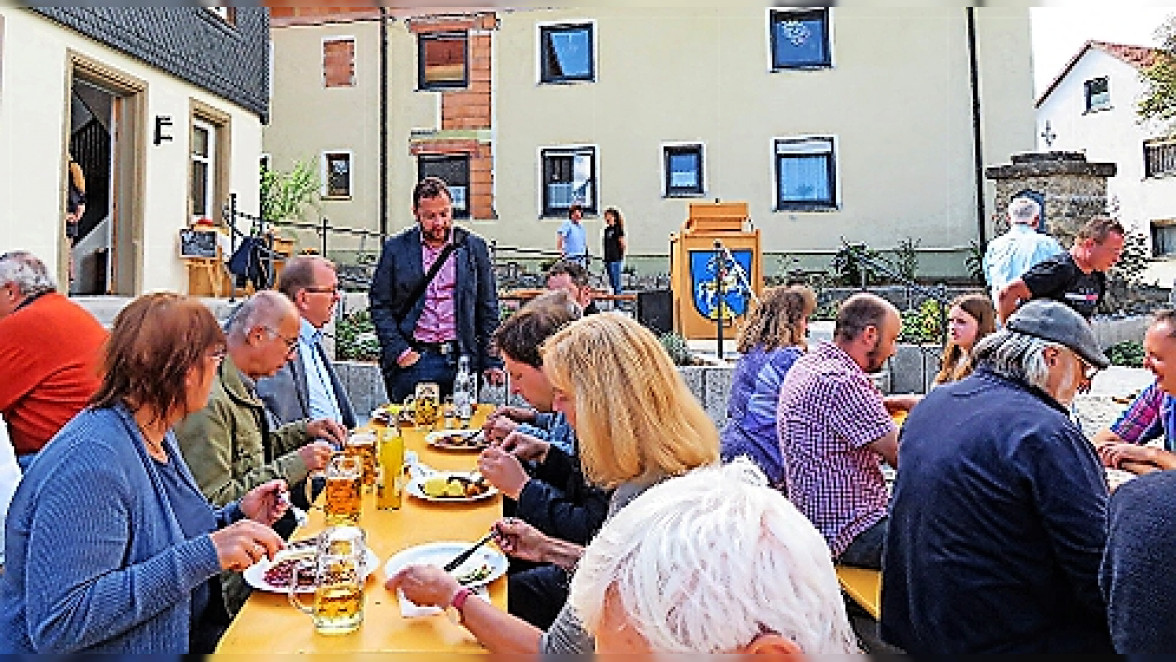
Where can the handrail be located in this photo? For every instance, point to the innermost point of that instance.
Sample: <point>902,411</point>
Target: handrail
<point>858,253</point>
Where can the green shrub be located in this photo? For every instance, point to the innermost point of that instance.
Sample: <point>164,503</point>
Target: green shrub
<point>675,345</point>
<point>1127,353</point>
<point>355,338</point>
<point>923,324</point>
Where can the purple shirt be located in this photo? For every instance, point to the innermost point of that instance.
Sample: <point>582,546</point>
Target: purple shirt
<point>829,412</point>
<point>438,320</point>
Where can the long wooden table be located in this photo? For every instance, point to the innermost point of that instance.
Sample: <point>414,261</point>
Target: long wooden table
<point>269,625</point>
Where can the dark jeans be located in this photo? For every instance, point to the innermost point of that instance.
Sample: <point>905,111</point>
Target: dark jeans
<point>538,594</point>
<point>433,367</point>
<point>866,550</point>
<point>614,275</point>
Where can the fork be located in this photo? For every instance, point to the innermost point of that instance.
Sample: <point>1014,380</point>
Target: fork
<point>464,556</point>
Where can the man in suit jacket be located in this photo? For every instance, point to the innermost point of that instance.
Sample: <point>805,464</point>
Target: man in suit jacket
<point>307,387</point>
<point>421,337</point>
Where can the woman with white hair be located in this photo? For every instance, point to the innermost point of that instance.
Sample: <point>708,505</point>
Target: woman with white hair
<point>712,562</point>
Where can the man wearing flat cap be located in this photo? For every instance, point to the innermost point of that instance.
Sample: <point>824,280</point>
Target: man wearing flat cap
<point>998,519</point>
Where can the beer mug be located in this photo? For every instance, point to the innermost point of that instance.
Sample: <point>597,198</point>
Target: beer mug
<point>425,403</point>
<point>337,607</point>
<point>363,446</point>
<point>344,489</point>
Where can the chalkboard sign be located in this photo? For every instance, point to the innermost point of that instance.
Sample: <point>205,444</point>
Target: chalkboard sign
<point>197,243</point>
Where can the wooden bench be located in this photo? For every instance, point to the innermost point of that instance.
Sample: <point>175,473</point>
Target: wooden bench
<point>864,586</point>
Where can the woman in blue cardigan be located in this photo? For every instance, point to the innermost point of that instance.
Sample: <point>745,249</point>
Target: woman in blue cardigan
<point>773,337</point>
<point>110,545</point>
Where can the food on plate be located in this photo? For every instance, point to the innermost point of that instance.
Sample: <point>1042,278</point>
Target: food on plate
<point>455,486</point>
<point>280,573</point>
<point>466,439</point>
<point>476,575</point>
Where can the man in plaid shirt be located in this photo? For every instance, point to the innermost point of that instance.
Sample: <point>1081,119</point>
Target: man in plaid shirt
<point>835,429</point>
<point>1152,414</point>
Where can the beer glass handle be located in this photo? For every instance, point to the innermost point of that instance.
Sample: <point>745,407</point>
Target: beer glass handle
<point>292,590</point>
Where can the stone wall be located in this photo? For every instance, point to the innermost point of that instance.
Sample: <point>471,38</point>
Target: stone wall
<point>1075,190</point>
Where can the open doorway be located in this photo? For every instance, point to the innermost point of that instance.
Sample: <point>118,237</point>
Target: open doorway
<point>104,113</point>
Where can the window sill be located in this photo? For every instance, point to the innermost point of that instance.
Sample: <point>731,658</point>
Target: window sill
<point>807,208</point>
<point>568,81</point>
<point>443,88</point>
<point>801,67</point>
<point>685,194</point>
<point>335,198</point>
<point>1101,109</point>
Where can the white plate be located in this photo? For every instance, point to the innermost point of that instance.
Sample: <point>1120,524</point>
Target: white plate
<point>255,574</point>
<point>440,553</point>
<point>438,439</point>
<point>416,488</point>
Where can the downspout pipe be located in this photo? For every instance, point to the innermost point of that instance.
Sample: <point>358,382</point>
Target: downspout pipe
<point>383,121</point>
<point>977,139</point>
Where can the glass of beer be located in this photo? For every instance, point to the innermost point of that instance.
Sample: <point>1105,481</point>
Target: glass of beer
<point>427,404</point>
<point>344,489</point>
<point>363,446</point>
<point>337,607</point>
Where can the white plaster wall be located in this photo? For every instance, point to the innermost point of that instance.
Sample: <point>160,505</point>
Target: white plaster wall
<point>1114,135</point>
<point>33,125</point>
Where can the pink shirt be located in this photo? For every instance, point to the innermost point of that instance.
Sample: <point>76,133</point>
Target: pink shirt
<point>438,320</point>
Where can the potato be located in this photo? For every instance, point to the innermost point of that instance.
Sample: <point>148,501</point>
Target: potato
<point>436,486</point>
<point>454,490</point>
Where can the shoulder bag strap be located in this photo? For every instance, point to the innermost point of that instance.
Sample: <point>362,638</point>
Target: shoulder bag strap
<point>420,288</point>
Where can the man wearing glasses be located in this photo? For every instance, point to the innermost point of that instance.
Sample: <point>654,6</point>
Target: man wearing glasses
<point>998,519</point>
<point>306,386</point>
<point>230,445</point>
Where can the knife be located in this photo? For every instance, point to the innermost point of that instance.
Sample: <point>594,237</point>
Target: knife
<point>464,556</point>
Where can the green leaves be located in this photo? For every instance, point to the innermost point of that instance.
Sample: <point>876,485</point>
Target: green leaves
<point>284,195</point>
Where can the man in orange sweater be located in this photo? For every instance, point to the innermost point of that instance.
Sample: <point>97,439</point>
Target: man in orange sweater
<point>50,353</point>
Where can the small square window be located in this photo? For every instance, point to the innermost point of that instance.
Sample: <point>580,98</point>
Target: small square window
<point>1163,235</point>
<point>337,175</point>
<point>683,165</point>
<point>805,174</point>
<point>569,176</point>
<point>454,170</point>
<point>1159,158</point>
<point>800,38</point>
<point>566,54</point>
<point>442,59</point>
<point>1098,94</point>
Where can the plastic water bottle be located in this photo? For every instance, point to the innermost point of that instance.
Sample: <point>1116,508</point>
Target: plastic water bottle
<point>464,390</point>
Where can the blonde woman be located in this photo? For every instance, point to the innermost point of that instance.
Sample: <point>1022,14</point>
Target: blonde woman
<point>770,341</point>
<point>637,424</point>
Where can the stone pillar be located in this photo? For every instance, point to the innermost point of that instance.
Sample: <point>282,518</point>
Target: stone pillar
<point>1074,189</point>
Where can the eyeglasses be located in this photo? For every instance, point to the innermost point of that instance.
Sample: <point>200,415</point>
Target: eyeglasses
<point>217,355</point>
<point>323,290</point>
<point>291,343</point>
<point>1088,371</point>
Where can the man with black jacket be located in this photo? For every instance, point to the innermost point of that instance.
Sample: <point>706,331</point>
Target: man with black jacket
<point>433,299</point>
<point>537,466</point>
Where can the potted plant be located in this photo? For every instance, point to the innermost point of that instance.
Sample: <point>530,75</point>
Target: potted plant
<point>285,195</point>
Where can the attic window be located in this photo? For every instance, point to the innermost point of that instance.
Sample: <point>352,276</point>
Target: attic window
<point>1098,94</point>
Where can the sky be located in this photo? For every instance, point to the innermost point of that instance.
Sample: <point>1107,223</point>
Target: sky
<point>1058,32</point>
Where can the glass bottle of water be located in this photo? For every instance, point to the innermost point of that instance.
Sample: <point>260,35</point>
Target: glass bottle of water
<point>464,391</point>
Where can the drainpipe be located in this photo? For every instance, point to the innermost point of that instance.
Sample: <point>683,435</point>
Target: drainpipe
<point>977,142</point>
<point>383,121</point>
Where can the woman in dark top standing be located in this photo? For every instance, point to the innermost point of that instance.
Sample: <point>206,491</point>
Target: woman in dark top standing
<point>614,247</point>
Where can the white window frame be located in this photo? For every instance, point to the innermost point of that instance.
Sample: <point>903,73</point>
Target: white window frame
<point>354,61</point>
<point>836,183</point>
<point>595,210</point>
<point>665,175</point>
<point>771,55</point>
<point>210,163</point>
<point>324,174</point>
<point>571,22</point>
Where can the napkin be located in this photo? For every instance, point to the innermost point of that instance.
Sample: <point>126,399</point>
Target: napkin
<point>409,610</point>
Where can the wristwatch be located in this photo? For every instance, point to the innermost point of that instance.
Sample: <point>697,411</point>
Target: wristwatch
<point>453,611</point>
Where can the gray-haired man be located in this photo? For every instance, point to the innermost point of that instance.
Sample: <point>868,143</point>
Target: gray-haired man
<point>998,520</point>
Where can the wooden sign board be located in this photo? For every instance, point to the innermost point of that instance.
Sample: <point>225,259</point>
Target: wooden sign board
<point>198,244</point>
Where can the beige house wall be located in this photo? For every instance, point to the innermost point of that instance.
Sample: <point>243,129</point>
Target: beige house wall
<point>897,102</point>
<point>34,100</point>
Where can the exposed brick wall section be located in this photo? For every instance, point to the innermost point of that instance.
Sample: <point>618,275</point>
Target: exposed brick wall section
<point>339,63</point>
<point>469,108</point>
<point>481,193</point>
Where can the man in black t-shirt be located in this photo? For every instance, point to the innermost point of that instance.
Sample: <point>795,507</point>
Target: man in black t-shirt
<point>1076,278</point>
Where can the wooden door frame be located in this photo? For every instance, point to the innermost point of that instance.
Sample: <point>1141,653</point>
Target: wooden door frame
<point>128,174</point>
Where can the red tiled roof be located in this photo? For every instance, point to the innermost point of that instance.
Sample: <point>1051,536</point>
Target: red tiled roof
<point>1139,57</point>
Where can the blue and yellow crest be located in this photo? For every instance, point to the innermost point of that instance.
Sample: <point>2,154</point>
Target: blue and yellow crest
<point>704,272</point>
